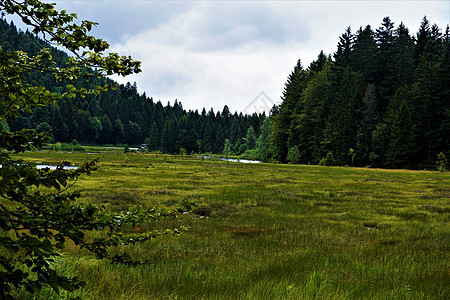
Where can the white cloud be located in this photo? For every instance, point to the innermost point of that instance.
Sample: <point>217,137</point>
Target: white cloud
<point>209,57</point>
<point>208,54</point>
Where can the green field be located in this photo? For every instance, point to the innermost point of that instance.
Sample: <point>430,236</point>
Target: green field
<point>268,231</point>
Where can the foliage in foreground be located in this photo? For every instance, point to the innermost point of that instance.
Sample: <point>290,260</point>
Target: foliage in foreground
<point>38,212</point>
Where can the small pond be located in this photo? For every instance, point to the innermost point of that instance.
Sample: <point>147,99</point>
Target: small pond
<point>53,167</point>
<point>244,161</point>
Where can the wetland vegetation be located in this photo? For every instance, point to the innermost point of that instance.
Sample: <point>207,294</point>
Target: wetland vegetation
<point>268,231</point>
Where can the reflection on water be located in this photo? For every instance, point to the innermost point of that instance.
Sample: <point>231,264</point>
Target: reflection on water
<point>53,167</point>
<point>244,161</point>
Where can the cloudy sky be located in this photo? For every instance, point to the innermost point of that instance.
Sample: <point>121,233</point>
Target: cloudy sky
<point>216,53</point>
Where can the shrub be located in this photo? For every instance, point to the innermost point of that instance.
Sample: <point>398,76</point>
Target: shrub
<point>294,155</point>
<point>442,163</point>
<point>328,160</point>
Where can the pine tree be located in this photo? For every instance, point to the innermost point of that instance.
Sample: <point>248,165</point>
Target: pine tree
<point>169,136</point>
<point>342,124</point>
<point>364,54</point>
<point>250,138</point>
<point>385,41</point>
<point>134,133</point>
<point>401,149</point>
<point>402,57</point>
<point>342,56</point>
<point>263,145</point>
<point>428,106</point>
<point>282,119</point>
<point>227,148</point>
<point>380,141</point>
<point>119,131</point>
<point>369,120</point>
<point>107,130</point>
<point>442,142</point>
<point>423,37</point>
<point>318,64</point>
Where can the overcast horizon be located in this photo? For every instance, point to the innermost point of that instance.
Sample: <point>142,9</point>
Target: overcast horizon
<point>211,54</point>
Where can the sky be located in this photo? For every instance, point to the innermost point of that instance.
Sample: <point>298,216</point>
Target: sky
<point>235,53</point>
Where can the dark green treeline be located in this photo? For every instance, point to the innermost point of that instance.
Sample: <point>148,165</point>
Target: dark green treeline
<point>123,115</point>
<point>382,99</point>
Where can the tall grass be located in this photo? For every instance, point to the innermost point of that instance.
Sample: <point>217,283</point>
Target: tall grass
<point>266,231</point>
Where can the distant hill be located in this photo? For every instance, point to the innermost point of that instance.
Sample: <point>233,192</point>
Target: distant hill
<point>123,115</point>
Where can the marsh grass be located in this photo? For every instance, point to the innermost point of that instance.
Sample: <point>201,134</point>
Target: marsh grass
<point>266,231</point>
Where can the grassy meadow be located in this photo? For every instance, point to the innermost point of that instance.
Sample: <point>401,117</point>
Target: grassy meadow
<point>268,231</point>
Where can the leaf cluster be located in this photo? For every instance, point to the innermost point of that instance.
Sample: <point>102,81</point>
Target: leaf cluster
<point>39,212</point>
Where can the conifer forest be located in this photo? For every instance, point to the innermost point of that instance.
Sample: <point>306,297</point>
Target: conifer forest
<point>382,99</point>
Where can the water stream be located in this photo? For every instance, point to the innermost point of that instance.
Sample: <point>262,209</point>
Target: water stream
<point>244,161</point>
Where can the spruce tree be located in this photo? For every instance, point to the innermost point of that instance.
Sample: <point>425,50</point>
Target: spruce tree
<point>342,56</point>
<point>250,138</point>
<point>385,41</point>
<point>154,139</point>
<point>402,57</point>
<point>317,100</point>
<point>292,94</point>
<point>422,39</point>
<point>364,54</point>
<point>263,144</point>
<point>401,148</point>
<point>342,124</point>
<point>368,122</point>
<point>442,143</point>
<point>227,148</point>
<point>428,105</point>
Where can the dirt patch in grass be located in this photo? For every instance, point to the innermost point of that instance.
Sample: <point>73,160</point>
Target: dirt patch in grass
<point>162,192</point>
<point>245,230</point>
<point>380,180</point>
<point>323,204</point>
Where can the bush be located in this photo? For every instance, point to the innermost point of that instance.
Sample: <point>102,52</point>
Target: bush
<point>442,163</point>
<point>73,146</point>
<point>328,160</point>
<point>251,154</point>
<point>294,155</point>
